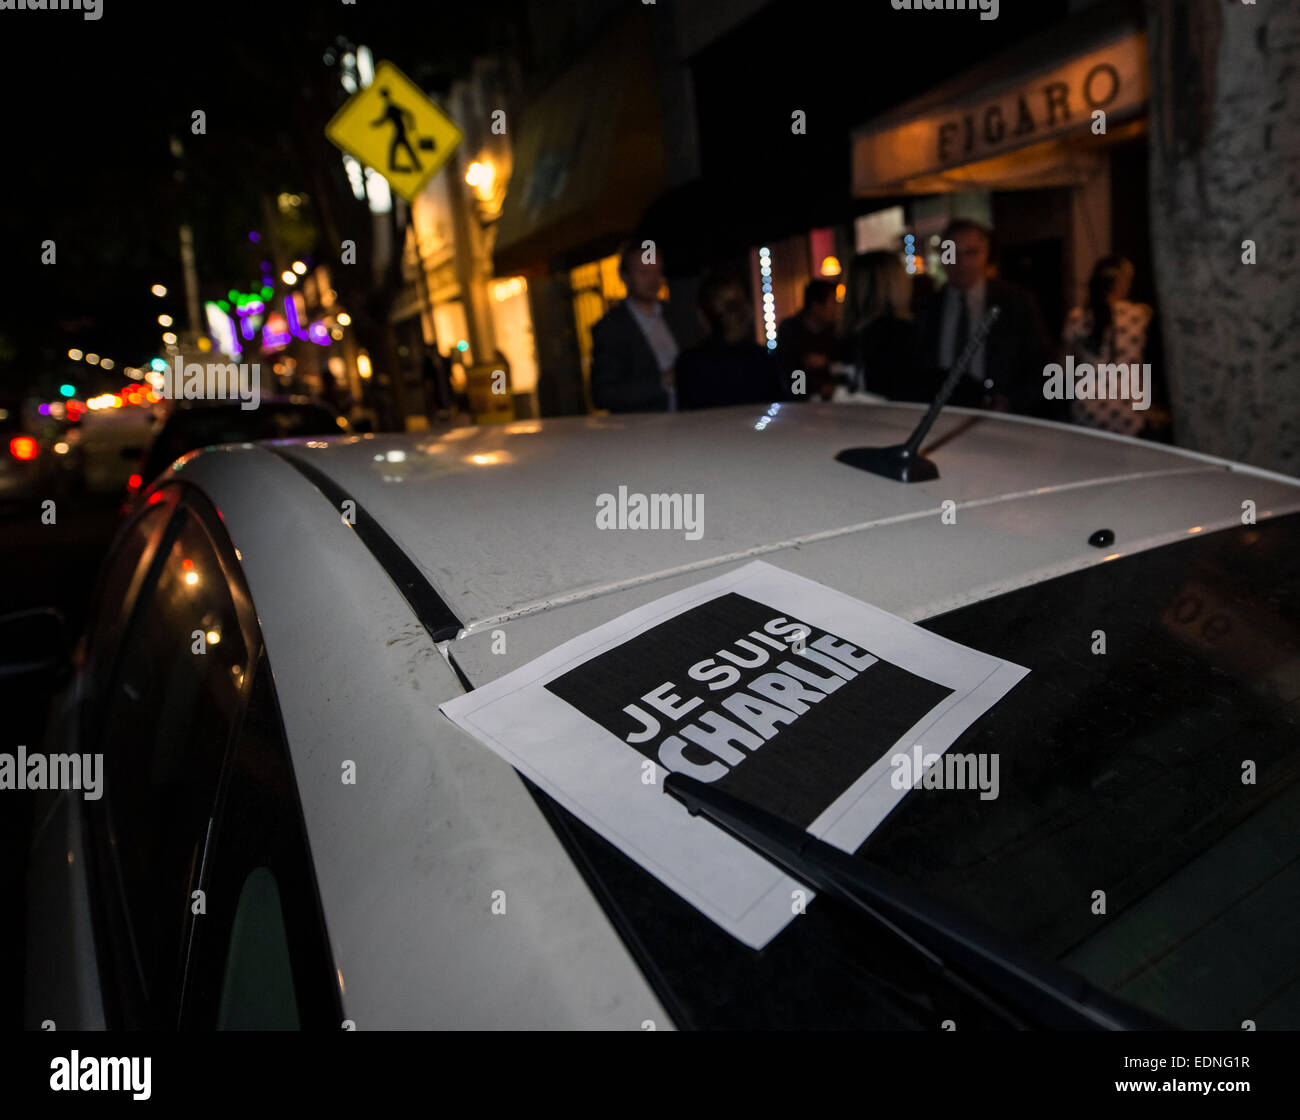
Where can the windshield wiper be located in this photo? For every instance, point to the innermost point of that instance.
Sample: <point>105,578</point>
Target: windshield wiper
<point>1026,992</point>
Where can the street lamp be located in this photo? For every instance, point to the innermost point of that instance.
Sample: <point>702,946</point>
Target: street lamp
<point>482,176</point>
<point>158,290</point>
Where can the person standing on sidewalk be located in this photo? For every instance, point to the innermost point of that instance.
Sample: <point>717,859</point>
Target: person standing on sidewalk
<point>633,348</point>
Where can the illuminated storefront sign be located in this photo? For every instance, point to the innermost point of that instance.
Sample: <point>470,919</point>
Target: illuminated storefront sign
<point>277,329</point>
<point>1045,103</point>
<point>222,330</point>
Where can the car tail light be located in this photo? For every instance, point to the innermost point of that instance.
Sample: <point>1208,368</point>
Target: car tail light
<point>23,447</point>
<point>133,483</point>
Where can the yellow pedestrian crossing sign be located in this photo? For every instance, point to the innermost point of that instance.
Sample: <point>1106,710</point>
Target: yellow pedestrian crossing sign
<point>394,127</point>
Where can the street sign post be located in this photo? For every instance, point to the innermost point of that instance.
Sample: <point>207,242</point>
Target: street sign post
<point>395,128</point>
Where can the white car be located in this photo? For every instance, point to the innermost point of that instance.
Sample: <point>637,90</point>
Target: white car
<point>290,834</point>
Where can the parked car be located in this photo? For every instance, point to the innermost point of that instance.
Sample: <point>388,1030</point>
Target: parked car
<point>291,835</point>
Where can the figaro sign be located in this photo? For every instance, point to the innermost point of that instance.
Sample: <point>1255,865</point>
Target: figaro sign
<point>1032,108</point>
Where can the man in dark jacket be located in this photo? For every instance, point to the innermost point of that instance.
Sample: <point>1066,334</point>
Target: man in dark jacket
<point>633,350</point>
<point>1007,374</point>
<point>728,367</point>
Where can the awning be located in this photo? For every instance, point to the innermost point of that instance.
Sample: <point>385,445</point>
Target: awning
<point>1033,96</point>
<point>589,158</point>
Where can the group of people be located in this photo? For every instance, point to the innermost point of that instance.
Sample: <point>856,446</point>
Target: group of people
<point>637,366</point>
<point>887,338</point>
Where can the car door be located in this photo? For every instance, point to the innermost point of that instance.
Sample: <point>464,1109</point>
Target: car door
<point>166,706</point>
<point>260,958</point>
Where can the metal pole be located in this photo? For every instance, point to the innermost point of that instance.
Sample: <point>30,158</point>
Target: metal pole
<point>191,281</point>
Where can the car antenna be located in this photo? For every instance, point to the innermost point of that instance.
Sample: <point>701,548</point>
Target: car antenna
<point>904,462</point>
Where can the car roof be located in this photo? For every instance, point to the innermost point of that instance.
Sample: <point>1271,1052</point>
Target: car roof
<point>501,519</point>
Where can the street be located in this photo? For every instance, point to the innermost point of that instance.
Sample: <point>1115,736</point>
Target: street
<point>46,566</point>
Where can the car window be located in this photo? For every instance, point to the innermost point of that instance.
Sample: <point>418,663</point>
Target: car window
<point>119,581</point>
<point>257,990</point>
<point>1144,829</point>
<point>260,957</point>
<point>175,700</point>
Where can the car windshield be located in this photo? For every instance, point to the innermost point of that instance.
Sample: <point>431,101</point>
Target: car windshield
<point>190,428</point>
<point>1141,829</point>
<point>1145,830</point>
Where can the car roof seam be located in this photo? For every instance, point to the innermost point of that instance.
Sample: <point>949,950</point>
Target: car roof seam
<point>413,585</point>
<point>580,594</point>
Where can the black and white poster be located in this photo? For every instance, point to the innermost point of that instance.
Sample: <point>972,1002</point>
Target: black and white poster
<point>779,690</point>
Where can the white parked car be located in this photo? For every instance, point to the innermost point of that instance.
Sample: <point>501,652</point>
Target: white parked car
<point>350,843</point>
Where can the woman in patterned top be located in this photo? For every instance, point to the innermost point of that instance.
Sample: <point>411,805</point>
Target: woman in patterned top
<point>1109,329</point>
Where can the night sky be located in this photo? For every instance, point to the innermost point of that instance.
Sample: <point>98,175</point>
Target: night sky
<point>89,109</point>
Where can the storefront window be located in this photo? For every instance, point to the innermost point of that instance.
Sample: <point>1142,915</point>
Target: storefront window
<point>595,286</point>
<point>453,331</point>
<point>513,325</point>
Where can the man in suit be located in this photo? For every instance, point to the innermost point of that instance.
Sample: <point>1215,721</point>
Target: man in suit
<point>633,350</point>
<point>1007,373</point>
